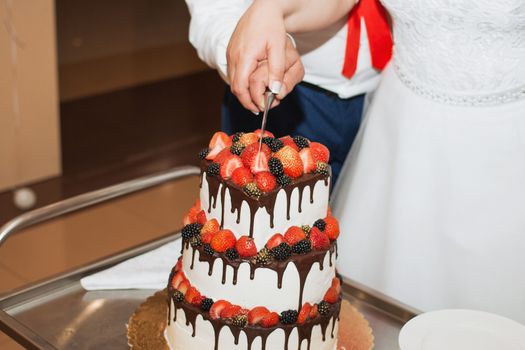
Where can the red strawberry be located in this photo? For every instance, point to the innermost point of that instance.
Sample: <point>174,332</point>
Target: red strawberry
<point>246,247</point>
<point>218,142</point>
<point>207,237</point>
<point>211,226</point>
<point>217,307</point>
<point>242,176</point>
<point>320,240</point>
<point>314,311</point>
<point>309,164</point>
<point>223,240</point>
<point>294,234</point>
<point>270,320</point>
<point>331,296</point>
<point>331,228</point>
<point>274,241</point>
<point>250,152</point>
<point>209,229</point>
<point>201,217</point>
<point>288,141</point>
<point>336,283</point>
<point>229,165</point>
<point>260,134</point>
<point>222,156</point>
<point>191,216</point>
<point>191,293</point>
<point>249,138</point>
<point>256,314</point>
<point>319,152</point>
<point>197,301</point>
<point>178,279</point>
<point>304,313</point>
<point>292,163</point>
<point>183,286</point>
<point>265,181</point>
<point>260,163</point>
<point>231,311</point>
<point>179,265</point>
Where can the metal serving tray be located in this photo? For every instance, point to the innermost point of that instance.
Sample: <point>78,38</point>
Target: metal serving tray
<point>59,314</point>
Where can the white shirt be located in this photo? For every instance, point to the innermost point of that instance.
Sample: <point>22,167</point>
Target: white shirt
<point>322,52</point>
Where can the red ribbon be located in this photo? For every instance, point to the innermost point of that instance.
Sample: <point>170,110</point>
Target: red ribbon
<point>379,35</point>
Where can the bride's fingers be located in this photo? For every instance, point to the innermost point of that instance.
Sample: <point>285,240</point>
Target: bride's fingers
<point>240,83</point>
<point>258,84</point>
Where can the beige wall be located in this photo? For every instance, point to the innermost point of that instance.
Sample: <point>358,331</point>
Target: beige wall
<point>29,124</point>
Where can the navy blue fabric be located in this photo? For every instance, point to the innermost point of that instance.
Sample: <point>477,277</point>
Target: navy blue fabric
<point>307,111</point>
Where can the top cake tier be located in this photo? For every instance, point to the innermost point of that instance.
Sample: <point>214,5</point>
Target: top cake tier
<point>262,193</point>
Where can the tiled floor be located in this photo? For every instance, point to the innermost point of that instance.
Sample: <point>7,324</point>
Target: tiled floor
<point>65,243</point>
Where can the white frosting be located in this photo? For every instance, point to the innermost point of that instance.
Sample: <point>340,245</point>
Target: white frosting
<point>262,230</point>
<point>262,290</point>
<point>181,334</point>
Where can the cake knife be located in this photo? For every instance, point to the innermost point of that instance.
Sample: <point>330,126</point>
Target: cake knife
<point>270,96</point>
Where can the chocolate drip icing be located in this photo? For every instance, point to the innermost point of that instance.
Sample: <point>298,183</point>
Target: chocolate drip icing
<point>303,263</point>
<point>217,187</point>
<point>304,330</point>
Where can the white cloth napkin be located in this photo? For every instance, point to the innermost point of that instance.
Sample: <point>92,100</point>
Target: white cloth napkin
<point>147,271</point>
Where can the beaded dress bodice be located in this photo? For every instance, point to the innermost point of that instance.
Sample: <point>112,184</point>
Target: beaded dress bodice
<point>461,51</point>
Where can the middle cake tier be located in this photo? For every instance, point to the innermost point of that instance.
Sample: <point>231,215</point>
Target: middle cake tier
<point>279,285</point>
<point>297,204</point>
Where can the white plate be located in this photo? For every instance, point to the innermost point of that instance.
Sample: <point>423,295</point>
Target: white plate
<point>461,330</point>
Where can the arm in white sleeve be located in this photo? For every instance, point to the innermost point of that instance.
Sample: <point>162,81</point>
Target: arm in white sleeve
<point>212,24</point>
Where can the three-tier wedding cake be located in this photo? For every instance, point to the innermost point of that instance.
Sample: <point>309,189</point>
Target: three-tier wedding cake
<point>257,267</point>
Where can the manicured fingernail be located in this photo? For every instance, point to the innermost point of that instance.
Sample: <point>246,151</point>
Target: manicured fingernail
<point>276,86</point>
<point>255,112</point>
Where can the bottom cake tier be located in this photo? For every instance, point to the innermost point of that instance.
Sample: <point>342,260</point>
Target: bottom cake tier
<point>190,328</point>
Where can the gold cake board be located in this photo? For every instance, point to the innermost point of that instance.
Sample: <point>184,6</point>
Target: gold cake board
<point>147,324</point>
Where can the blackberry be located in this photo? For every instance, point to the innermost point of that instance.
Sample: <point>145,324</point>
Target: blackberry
<point>284,180</point>
<point>267,141</point>
<point>232,254</point>
<point>237,148</point>
<point>206,304</point>
<point>252,190</point>
<point>281,252</point>
<point>208,249</point>
<point>322,168</point>
<point>288,317</point>
<point>237,136</point>
<point>239,321</point>
<point>301,142</point>
<point>276,145</point>
<point>213,169</point>
<point>276,167</point>
<point>195,241</point>
<point>323,308</point>
<point>263,257</point>
<point>203,153</point>
<point>178,296</point>
<point>320,224</point>
<point>191,230</point>
<point>302,247</point>
<point>306,229</point>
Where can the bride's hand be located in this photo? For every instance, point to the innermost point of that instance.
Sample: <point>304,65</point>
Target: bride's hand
<point>294,73</point>
<point>260,35</point>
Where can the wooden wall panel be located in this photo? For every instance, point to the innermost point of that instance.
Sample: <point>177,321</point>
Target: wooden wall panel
<point>29,124</point>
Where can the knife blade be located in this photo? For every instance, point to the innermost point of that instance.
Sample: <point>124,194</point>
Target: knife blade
<point>270,96</point>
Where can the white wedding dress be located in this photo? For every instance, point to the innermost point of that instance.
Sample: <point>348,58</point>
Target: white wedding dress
<point>432,197</point>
